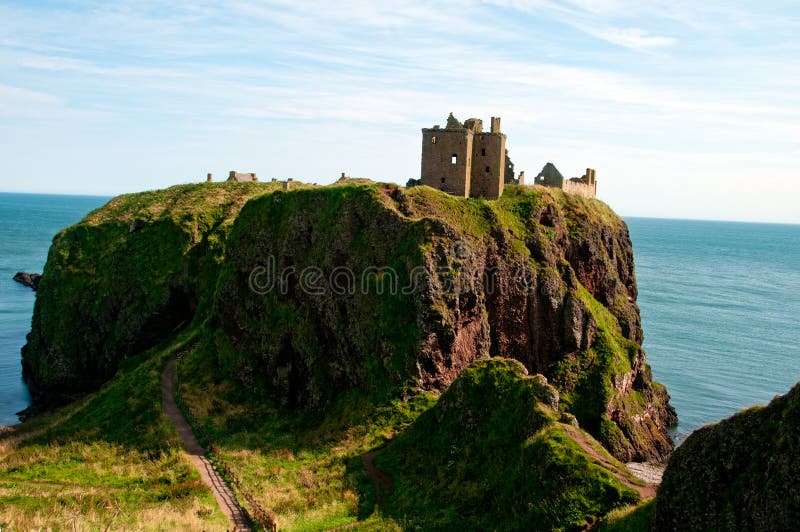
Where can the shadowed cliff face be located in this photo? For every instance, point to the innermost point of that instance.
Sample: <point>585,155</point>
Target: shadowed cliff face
<point>738,474</point>
<point>313,292</point>
<point>537,276</point>
<point>123,279</point>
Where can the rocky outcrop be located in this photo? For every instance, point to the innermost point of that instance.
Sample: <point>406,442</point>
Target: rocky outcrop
<point>539,276</point>
<point>493,455</point>
<point>31,280</point>
<point>316,291</point>
<point>738,474</point>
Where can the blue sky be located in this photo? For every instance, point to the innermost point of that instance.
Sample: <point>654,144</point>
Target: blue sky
<point>686,109</point>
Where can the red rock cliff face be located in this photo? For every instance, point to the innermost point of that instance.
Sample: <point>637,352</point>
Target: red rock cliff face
<point>539,304</point>
<point>538,276</point>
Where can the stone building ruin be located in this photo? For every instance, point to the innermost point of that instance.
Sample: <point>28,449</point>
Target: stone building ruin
<point>463,160</point>
<point>240,177</point>
<point>585,186</point>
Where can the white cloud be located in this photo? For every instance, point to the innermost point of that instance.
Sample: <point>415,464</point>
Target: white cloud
<point>634,38</point>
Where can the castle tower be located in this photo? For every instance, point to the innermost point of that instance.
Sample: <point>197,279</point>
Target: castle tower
<point>463,160</point>
<point>446,157</point>
<point>488,162</point>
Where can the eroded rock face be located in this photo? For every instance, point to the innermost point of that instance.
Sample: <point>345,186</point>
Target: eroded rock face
<point>738,474</point>
<point>373,287</point>
<point>547,280</point>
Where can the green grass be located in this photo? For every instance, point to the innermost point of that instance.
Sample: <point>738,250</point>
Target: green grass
<point>303,465</point>
<point>492,455</point>
<point>634,518</point>
<point>112,458</point>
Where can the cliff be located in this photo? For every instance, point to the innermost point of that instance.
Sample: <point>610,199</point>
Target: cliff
<point>124,278</point>
<point>738,474</point>
<point>371,286</point>
<point>492,454</point>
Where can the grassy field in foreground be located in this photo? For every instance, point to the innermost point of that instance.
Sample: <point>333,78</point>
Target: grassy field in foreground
<point>111,459</point>
<point>304,466</point>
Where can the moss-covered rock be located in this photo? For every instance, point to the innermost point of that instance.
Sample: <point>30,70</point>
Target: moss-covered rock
<point>374,286</point>
<point>540,276</point>
<point>739,474</point>
<point>493,455</point>
<point>124,278</point>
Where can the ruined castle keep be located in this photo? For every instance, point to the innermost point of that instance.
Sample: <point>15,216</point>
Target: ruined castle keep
<point>463,160</point>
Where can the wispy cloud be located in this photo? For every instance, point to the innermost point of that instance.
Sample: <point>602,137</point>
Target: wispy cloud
<point>634,38</point>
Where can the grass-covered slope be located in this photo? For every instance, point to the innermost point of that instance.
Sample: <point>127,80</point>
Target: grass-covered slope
<point>739,474</point>
<point>493,455</point>
<point>490,453</point>
<point>111,461</point>
<point>124,278</point>
<point>383,296</point>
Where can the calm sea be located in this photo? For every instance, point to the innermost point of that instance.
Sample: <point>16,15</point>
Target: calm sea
<point>28,223</point>
<point>720,304</point>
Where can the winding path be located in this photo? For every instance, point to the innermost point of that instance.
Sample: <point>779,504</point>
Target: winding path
<point>645,492</point>
<point>209,475</point>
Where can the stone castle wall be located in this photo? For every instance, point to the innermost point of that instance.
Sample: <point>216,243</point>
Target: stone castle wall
<point>488,165</point>
<point>582,189</point>
<point>439,147</point>
<point>463,160</point>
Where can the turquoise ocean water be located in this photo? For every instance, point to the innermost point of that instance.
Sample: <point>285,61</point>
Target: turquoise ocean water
<point>720,304</point>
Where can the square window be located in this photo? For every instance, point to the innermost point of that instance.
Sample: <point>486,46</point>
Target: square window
<point>453,159</point>
<point>443,181</point>
<point>483,152</point>
<point>488,169</point>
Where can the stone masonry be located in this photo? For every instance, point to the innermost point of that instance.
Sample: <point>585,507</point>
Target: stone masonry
<point>240,177</point>
<point>583,186</point>
<point>463,160</point>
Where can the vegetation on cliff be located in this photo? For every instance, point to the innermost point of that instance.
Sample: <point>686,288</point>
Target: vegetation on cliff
<point>108,461</point>
<point>295,383</point>
<point>493,454</point>
<point>124,278</point>
<point>738,474</point>
<point>540,276</point>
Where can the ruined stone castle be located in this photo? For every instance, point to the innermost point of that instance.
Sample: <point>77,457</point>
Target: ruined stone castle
<point>463,160</point>
<point>583,186</point>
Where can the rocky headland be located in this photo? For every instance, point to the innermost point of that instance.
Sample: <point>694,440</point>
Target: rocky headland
<point>309,296</point>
